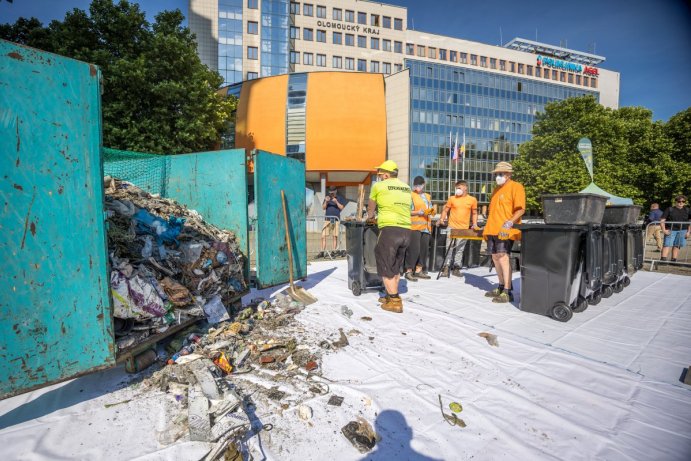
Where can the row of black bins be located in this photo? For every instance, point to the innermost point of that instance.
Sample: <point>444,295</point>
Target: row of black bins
<point>564,268</point>
<point>361,239</point>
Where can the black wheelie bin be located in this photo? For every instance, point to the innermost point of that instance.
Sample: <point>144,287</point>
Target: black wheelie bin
<point>361,238</point>
<point>622,244</point>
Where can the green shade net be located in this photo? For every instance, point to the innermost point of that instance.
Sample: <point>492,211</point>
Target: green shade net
<point>147,171</point>
<point>611,199</point>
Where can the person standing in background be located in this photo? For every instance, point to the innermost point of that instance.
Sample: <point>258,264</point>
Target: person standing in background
<point>461,212</point>
<point>416,256</point>
<point>653,225</point>
<point>677,232</point>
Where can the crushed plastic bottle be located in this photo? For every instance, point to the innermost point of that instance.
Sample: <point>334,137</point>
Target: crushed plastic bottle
<point>347,311</point>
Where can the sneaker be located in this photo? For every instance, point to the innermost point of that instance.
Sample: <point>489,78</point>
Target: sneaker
<point>444,272</point>
<point>393,305</point>
<point>423,275</point>
<point>320,254</point>
<point>493,293</point>
<point>457,273</point>
<point>410,277</point>
<point>503,297</point>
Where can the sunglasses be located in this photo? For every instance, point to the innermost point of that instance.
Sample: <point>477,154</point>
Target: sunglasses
<point>499,175</point>
<point>681,201</point>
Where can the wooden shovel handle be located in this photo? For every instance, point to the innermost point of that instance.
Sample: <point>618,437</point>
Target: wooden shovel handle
<point>290,249</point>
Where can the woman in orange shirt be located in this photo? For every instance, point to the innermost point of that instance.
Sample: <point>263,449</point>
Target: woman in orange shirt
<point>420,225</point>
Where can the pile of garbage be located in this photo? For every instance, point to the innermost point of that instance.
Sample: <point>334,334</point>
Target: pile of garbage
<point>168,265</point>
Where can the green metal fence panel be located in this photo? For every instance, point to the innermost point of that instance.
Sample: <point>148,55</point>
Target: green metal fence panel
<point>55,311</point>
<point>273,173</point>
<point>214,184</point>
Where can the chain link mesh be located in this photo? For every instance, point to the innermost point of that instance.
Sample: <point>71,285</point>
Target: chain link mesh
<point>147,171</point>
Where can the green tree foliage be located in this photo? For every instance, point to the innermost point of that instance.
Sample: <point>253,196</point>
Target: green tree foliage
<point>158,97</point>
<point>632,155</point>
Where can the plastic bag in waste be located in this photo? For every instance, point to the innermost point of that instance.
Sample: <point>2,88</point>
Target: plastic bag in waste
<point>215,310</point>
<point>164,231</point>
<point>135,297</point>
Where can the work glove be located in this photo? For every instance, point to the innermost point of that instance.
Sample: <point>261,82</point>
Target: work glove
<point>504,232</point>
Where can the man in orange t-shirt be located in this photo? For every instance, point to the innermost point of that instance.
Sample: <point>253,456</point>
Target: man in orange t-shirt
<point>506,207</point>
<point>463,210</point>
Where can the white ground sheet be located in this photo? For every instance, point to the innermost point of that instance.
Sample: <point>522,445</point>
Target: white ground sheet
<point>604,385</point>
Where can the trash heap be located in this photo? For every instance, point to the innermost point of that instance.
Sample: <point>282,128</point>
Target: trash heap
<point>168,266</point>
<point>217,376</point>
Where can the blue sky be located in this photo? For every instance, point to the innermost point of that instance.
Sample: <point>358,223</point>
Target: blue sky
<point>647,41</point>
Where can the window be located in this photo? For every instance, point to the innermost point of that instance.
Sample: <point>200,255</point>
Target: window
<point>578,79</point>
<point>252,27</point>
<point>398,47</point>
<point>307,59</point>
<point>374,43</point>
<point>337,62</point>
<point>252,75</point>
<point>570,77</point>
<point>321,60</point>
<point>386,45</point>
<point>337,38</point>
<point>464,58</point>
<point>547,74</point>
<point>492,63</point>
<point>562,76</point>
<point>361,65</point>
<point>453,56</point>
<point>521,69</point>
<point>374,66</point>
<point>398,24</point>
<point>294,8</point>
<point>530,70</point>
<point>473,59</point>
<point>321,12</point>
<point>502,64</point>
<point>252,5</point>
<point>398,67</point>
<point>409,49</point>
<point>432,53</point>
<point>307,34</point>
<point>350,40</point>
<point>350,64</point>
<point>252,52</point>
<point>294,33</point>
<point>386,67</point>
<point>295,57</point>
<point>593,82</point>
<point>338,14</point>
<point>386,22</point>
<point>429,72</point>
<point>555,74</point>
<point>361,41</point>
<point>538,72</point>
<point>442,55</point>
<point>307,9</point>
<point>362,18</point>
<point>321,36</point>
<point>421,51</point>
<point>586,81</point>
<point>483,61</point>
<point>374,20</point>
<point>350,16</point>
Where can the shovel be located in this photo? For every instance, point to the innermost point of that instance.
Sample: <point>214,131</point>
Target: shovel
<point>297,293</point>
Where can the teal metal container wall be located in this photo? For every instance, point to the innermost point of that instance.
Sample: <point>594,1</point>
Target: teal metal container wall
<point>214,184</point>
<point>273,173</point>
<point>55,314</point>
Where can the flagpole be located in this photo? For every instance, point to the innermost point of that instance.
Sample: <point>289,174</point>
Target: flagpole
<point>450,148</point>
<point>455,162</point>
<point>463,159</point>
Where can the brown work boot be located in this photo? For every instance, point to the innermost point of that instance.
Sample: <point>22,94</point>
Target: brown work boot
<point>382,299</point>
<point>393,305</point>
<point>444,271</point>
<point>493,293</point>
<point>410,277</point>
<point>423,275</point>
<point>457,273</point>
<point>503,297</point>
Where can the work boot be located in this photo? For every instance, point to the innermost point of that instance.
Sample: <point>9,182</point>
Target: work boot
<point>382,299</point>
<point>494,293</point>
<point>320,254</point>
<point>410,277</point>
<point>503,297</point>
<point>457,273</point>
<point>423,275</point>
<point>393,305</point>
<point>444,271</point>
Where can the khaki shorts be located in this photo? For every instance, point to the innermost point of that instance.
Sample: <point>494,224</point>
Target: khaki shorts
<point>330,228</point>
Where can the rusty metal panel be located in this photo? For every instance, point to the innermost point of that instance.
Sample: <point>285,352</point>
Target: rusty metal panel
<point>55,311</point>
<point>273,173</point>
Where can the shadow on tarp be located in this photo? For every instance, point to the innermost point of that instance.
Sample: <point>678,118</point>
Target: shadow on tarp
<point>396,435</point>
<point>63,396</point>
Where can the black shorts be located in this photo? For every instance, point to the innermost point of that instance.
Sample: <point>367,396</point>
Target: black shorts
<point>495,245</point>
<point>390,250</point>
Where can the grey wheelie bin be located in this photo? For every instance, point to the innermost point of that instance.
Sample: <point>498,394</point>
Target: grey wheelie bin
<point>361,239</point>
<point>614,276</point>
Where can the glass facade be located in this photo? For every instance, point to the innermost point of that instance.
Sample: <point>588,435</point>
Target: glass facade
<point>230,51</point>
<point>274,37</point>
<point>495,112</point>
<point>295,116</point>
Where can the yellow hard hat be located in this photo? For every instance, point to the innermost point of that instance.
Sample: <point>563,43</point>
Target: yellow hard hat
<point>388,165</point>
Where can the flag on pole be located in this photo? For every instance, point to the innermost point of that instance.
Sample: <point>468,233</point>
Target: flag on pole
<point>484,188</point>
<point>462,145</point>
<point>455,149</point>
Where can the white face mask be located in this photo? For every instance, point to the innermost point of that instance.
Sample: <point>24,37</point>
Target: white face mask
<point>459,191</point>
<point>418,189</point>
<point>501,180</point>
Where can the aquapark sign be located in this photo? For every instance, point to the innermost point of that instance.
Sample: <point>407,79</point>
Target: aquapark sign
<point>543,61</point>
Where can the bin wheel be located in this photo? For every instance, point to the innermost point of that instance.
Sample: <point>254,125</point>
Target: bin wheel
<point>562,312</point>
<point>627,281</point>
<point>356,289</point>
<point>595,298</point>
<point>619,287</point>
<point>581,305</point>
<point>607,291</point>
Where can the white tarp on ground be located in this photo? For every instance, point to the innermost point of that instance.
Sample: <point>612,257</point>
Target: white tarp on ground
<point>603,386</point>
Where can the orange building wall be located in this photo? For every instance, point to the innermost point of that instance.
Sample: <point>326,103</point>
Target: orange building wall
<point>346,121</point>
<point>264,126</point>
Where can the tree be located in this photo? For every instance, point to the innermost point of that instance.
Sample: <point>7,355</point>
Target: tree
<point>632,155</point>
<point>158,97</point>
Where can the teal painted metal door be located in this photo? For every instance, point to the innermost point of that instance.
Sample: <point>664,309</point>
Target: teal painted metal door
<point>214,184</point>
<point>55,311</point>
<point>273,173</point>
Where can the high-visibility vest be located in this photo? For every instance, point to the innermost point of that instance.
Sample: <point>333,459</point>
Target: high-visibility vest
<point>421,202</point>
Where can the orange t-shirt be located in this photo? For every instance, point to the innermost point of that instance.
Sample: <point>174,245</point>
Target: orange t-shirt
<point>460,211</point>
<point>505,201</point>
